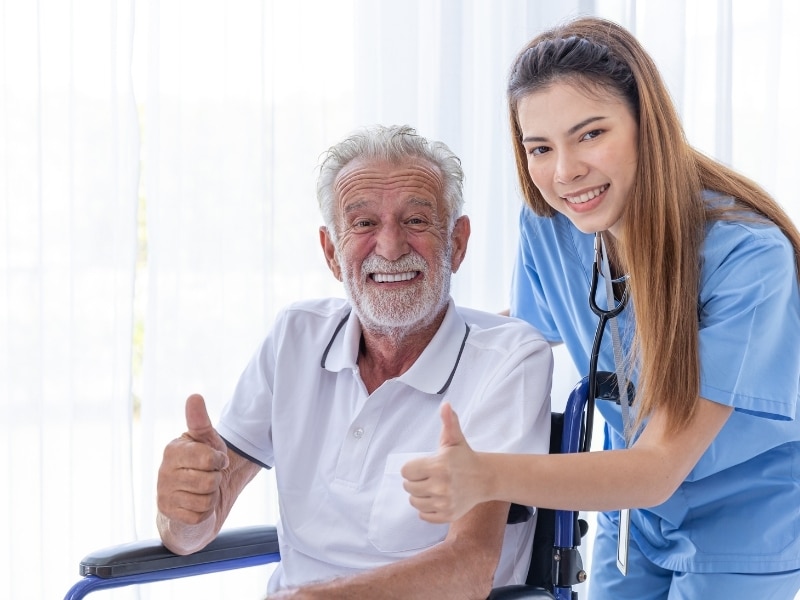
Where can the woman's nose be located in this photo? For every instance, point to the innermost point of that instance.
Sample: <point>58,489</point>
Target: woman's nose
<point>569,167</point>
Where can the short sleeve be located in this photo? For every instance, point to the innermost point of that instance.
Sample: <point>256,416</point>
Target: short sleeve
<point>528,300</point>
<point>246,420</point>
<point>749,315</point>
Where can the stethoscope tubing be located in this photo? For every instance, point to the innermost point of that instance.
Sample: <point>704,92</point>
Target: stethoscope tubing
<point>603,317</point>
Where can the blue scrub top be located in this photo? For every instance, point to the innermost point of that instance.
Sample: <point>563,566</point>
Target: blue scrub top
<point>739,508</point>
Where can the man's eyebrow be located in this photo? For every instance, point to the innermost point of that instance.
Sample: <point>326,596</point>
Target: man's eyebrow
<point>421,202</point>
<point>354,206</point>
<point>571,131</point>
<point>413,201</point>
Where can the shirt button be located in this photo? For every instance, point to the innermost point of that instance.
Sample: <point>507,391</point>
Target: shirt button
<point>358,433</point>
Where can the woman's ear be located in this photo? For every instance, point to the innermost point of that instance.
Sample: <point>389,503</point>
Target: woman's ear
<point>460,237</point>
<point>329,249</point>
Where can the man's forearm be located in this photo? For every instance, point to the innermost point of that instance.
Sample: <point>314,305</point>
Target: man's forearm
<point>461,567</point>
<point>182,538</point>
<point>407,580</point>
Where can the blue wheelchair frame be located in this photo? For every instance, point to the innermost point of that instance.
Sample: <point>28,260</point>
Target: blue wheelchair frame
<point>148,560</point>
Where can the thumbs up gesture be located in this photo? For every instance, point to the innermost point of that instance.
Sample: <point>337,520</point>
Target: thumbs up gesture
<point>445,486</point>
<point>190,475</point>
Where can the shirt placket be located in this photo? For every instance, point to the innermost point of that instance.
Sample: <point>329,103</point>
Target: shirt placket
<point>354,448</point>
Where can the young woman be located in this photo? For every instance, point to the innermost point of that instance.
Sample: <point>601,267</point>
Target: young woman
<point>710,338</point>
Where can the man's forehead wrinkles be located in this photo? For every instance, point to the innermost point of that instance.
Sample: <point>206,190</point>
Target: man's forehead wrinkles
<point>388,175</point>
<point>392,181</point>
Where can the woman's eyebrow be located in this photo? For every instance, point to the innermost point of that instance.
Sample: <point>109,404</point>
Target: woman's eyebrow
<point>571,131</point>
<point>582,124</point>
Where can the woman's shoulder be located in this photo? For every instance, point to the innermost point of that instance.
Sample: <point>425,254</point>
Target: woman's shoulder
<point>733,225</point>
<point>743,240</point>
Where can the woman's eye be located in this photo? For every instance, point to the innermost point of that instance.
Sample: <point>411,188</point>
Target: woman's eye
<point>537,150</point>
<point>592,134</point>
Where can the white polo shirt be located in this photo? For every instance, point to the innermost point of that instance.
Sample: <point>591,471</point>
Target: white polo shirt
<point>302,407</point>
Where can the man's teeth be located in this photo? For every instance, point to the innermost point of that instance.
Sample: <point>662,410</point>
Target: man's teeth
<point>585,197</point>
<point>392,277</point>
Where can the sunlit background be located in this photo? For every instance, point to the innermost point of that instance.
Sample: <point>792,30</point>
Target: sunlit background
<point>157,168</point>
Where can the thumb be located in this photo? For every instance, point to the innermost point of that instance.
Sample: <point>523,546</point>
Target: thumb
<point>451,429</point>
<point>198,423</point>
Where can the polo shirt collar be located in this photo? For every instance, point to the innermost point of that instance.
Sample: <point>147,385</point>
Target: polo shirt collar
<point>431,372</point>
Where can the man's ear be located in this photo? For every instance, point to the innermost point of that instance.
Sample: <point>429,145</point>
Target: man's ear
<point>329,249</point>
<point>460,238</point>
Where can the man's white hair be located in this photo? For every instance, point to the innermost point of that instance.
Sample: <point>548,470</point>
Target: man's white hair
<point>393,144</point>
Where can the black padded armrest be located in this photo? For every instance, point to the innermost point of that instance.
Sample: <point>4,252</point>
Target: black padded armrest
<point>147,556</point>
<point>520,592</point>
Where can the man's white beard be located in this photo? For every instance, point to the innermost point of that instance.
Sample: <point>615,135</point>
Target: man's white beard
<point>397,312</point>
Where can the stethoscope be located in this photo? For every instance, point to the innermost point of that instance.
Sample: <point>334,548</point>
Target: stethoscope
<point>602,384</point>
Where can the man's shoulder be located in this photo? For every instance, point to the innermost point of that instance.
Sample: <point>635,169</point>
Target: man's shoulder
<point>310,321</point>
<point>494,325</point>
<point>316,308</point>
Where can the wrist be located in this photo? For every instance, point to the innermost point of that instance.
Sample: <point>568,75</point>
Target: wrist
<point>183,538</point>
<point>487,477</point>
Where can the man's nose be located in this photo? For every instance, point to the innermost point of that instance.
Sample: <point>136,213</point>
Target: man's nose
<point>391,241</point>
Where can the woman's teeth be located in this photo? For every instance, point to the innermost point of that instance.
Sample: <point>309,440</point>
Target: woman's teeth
<point>585,197</point>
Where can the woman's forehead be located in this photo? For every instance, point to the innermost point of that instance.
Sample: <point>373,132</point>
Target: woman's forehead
<point>566,102</point>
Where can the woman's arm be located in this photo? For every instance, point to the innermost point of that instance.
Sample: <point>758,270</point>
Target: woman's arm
<point>446,486</point>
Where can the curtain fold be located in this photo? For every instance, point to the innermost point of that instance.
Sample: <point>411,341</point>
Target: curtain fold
<point>68,189</point>
<point>157,207</point>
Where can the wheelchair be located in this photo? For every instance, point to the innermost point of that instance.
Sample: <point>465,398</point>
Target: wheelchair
<point>555,566</point>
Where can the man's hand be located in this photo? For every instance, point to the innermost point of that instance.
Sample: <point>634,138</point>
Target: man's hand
<point>190,475</point>
<point>446,486</point>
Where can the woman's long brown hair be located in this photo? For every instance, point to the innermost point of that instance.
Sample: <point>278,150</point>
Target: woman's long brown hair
<point>665,217</point>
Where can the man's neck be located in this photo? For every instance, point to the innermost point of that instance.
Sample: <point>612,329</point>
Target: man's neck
<point>386,354</point>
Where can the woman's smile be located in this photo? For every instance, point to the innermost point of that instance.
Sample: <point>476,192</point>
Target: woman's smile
<point>582,149</point>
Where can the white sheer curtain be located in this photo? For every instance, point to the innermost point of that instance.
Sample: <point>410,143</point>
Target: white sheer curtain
<point>240,100</point>
<point>68,181</point>
<point>225,106</point>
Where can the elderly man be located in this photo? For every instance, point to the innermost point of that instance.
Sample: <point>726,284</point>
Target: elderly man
<point>342,393</point>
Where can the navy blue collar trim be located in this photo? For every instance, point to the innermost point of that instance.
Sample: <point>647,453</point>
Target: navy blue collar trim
<point>333,337</point>
<point>458,360</point>
<point>446,383</point>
